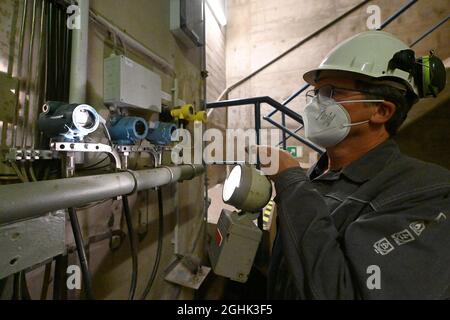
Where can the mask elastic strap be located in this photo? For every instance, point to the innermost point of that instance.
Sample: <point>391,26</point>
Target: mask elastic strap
<point>355,124</point>
<point>350,101</point>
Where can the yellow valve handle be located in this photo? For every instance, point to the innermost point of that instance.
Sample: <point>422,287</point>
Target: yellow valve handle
<point>199,116</point>
<point>185,112</point>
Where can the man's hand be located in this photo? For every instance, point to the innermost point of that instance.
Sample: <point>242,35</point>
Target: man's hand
<point>285,160</point>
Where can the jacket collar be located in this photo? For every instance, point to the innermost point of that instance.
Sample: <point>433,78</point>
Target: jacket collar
<point>363,169</point>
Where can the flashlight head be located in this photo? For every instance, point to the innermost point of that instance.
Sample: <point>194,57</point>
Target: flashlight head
<point>247,189</point>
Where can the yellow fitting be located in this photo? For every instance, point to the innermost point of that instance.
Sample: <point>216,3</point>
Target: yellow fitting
<point>199,116</point>
<point>185,112</point>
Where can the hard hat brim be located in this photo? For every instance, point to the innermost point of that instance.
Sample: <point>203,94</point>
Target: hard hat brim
<point>313,76</point>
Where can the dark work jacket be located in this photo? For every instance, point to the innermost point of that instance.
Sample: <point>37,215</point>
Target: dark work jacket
<point>379,229</point>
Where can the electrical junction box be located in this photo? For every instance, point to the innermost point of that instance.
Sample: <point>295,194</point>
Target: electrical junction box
<point>127,84</point>
<point>234,247</point>
<point>186,22</point>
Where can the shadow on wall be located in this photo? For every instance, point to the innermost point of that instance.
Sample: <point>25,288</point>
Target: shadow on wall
<point>427,138</point>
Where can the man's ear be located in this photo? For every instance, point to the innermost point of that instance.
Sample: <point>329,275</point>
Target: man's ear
<point>383,112</point>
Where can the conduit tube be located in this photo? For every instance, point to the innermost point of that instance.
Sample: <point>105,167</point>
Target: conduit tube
<point>24,201</point>
<point>79,57</point>
<point>133,43</point>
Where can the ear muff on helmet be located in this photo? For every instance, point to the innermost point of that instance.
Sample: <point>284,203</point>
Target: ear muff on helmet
<point>428,71</point>
<point>404,60</point>
<point>431,75</point>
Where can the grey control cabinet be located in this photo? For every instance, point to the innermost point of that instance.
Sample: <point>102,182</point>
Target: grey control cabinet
<point>234,246</point>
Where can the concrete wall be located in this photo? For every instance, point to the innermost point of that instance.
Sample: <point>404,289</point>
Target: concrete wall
<point>259,30</point>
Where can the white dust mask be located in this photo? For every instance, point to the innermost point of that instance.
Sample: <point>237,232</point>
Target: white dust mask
<point>327,122</point>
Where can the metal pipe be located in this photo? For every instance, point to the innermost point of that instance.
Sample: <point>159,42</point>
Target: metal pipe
<point>258,131</point>
<point>58,51</point>
<point>24,201</point>
<point>12,40</point>
<point>50,55</point>
<point>78,67</point>
<point>283,123</point>
<point>26,110</point>
<point>19,71</point>
<point>67,58</point>
<point>39,79</point>
<point>205,177</point>
<point>133,43</point>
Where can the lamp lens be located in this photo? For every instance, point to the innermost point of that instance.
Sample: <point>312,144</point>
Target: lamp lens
<point>231,183</point>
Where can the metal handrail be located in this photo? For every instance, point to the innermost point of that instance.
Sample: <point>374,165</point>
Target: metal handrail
<point>251,101</point>
<point>256,103</point>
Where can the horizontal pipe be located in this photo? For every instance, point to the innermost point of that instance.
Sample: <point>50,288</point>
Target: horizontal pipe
<point>28,200</point>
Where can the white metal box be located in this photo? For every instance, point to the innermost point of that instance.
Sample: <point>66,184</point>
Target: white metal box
<point>128,84</point>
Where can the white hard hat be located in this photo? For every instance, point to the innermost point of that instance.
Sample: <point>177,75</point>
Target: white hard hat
<point>366,55</point>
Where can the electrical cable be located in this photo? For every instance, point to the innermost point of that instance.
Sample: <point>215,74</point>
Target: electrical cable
<point>78,236</point>
<point>32,173</point>
<point>17,171</point>
<point>24,291</point>
<point>24,173</point>
<point>108,135</point>
<point>46,281</point>
<point>95,164</point>
<point>133,247</point>
<point>97,168</point>
<point>92,205</point>
<point>159,249</point>
<point>16,287</point>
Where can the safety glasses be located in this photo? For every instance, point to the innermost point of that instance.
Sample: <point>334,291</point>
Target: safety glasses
<point>337,94</point>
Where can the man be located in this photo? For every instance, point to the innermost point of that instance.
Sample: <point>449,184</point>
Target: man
<point>366,222</point>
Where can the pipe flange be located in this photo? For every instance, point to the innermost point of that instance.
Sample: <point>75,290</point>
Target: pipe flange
<point>194,171</point>
<point>170,171</point>
<point>134,178</point>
